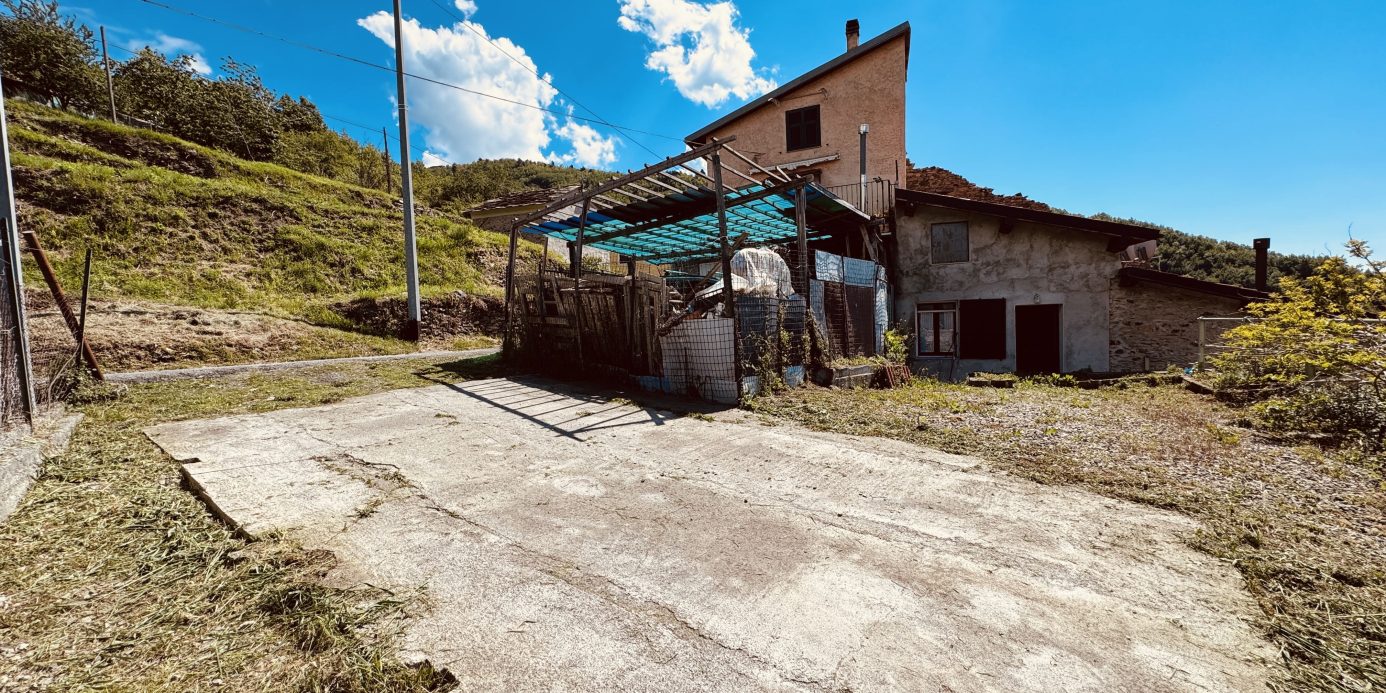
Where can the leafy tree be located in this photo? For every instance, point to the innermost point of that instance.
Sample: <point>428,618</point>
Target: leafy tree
<point>1314,356</point>
<point>48,56</point>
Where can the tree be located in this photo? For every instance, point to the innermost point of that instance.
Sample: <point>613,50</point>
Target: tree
<point>48,56</point>
<point>1314,356</point>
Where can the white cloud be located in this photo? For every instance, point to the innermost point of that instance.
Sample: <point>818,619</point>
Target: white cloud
<point>590,148</point>
<point>466,7</point>
<point>461,127</point>
<point>431,159</point>
<point>699,46</point>
<point>173,47</point>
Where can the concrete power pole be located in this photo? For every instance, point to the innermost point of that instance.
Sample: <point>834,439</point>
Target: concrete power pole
<point>12,291</point>
<point>411,263</point>
<point>110,85</point>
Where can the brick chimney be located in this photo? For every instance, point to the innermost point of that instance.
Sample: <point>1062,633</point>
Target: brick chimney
<point>853,33</point>
<point>1262,246</point>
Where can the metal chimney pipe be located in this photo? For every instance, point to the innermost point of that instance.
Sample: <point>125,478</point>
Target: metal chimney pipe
<point>1262,246</point>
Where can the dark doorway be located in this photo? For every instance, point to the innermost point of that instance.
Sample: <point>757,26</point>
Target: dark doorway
<point>1038,339</point>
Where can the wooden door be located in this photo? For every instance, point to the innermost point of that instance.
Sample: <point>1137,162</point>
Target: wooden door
<point>1038,339</point>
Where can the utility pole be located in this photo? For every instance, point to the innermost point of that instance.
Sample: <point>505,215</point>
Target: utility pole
<point>385,137</point>
<point>12,310</point>
<point>411,263</point>
<point>110,85</point>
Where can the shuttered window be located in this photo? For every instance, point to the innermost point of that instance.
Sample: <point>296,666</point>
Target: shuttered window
<point>948,242</point>
<point>802,129</point>
<point>982,329</point>
<point>935,328</point>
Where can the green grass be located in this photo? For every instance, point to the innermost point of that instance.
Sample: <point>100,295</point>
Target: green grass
<point>115,578</point>
<point>1306,527</point>
<point>174,222</point>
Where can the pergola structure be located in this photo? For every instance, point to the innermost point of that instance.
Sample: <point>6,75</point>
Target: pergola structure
<point>670,212</point>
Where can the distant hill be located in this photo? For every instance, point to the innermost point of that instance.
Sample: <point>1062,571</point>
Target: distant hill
<point>1181,253</point>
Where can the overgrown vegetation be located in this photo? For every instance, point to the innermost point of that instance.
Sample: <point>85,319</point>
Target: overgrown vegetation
<point>1313,358</point>
<point>175,222</point>
<point>1305,526</point>
<point>1220,261</point>
<point>54,59</point>
<point>115,578</point>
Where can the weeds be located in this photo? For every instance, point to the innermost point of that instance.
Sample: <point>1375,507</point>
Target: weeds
<point>114,577</point>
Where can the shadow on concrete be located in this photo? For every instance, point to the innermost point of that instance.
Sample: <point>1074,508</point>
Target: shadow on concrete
<point>526,396</point>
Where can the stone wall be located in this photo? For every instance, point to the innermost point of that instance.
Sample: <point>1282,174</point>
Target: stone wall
<point>1155,326</point>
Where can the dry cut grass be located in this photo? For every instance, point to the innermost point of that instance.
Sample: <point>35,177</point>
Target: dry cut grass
<point>113,577</point>
<point>1306,527</point>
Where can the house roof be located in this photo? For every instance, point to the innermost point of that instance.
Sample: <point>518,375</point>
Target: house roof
<point>1120,234</point>
<point>518,203</point>
<point>1144,274</point>
<point>903,29</point>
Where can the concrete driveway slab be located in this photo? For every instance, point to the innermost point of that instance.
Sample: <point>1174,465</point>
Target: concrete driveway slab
<point>567,542</point>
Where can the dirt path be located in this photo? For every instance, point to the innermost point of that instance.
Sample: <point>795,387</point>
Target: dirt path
<point>565,542</point>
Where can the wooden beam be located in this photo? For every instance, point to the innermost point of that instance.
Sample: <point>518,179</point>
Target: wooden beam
<point>781,176</point>
<point>695,153</point>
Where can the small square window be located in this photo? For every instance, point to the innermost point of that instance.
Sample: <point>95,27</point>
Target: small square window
<point>936,328</point>
<point>802,129</point>
<point>949,243</point>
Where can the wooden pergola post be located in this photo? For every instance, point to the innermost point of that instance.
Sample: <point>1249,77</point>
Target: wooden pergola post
<point>577,275</point>
<point>800,212</point>
<point>508,342</point>
<point>728,295</point>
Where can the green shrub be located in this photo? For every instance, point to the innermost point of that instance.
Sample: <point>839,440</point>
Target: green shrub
<point>1313,358</point>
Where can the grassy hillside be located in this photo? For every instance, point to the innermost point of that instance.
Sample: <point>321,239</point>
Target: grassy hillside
<point>176,223</point>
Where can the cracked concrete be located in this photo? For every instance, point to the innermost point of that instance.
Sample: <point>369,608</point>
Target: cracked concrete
<point>569,543</point>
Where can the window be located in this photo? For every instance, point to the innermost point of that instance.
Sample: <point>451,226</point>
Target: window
<point>801,129</point>
<point>982,329</point>
<point>936,328</point>
<point>948,243</point>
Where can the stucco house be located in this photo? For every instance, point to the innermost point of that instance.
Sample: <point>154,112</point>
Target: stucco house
<point>812,125</point>
<point>984,282</point>
<point>994,287</point>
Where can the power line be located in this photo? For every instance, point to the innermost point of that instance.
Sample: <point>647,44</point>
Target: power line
<point>386,68</point>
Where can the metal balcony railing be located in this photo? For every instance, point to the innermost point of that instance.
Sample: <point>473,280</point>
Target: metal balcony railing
<point>876,198</point>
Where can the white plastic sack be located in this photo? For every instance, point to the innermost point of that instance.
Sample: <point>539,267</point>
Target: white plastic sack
<point>764,271</point>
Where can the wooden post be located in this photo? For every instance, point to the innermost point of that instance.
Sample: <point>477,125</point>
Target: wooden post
<point>507,339</point>
<point>50,278</point>
<point>110,85</point>
<point>577,276</point>
<point>728,294</point>
<point>539,281</point>
<point>1202,338</point>
<point>800,212</point>
<point>389,182</point>
<point>630,310</point>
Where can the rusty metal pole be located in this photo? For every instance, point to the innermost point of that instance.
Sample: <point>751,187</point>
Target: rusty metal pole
<point>82,311</point>
<point>50,278</point>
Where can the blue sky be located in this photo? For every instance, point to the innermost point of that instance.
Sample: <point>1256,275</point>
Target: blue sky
<point>1227,119</point>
